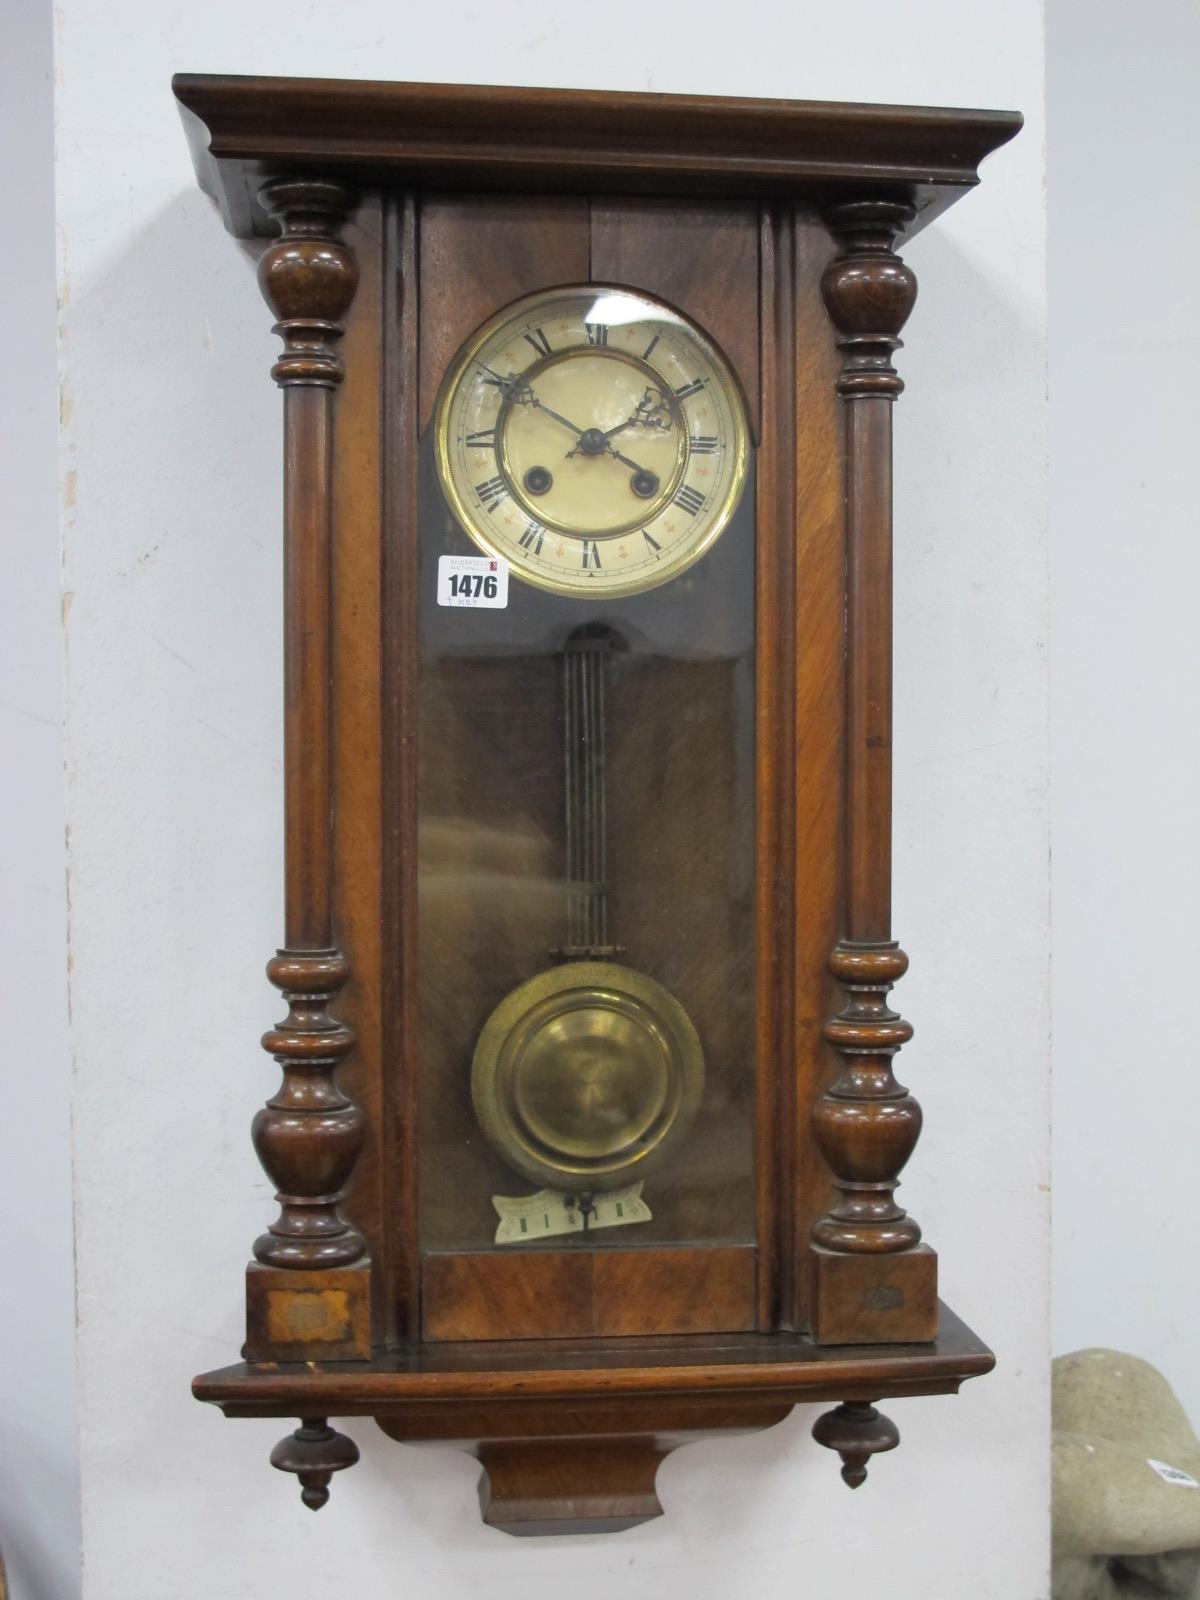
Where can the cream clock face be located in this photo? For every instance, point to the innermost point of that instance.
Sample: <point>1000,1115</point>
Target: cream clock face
<point>594,439</point>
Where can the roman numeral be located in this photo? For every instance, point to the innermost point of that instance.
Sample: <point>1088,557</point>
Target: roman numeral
<point>689,499</point>
<point>689,388</point>
<point>492,492</point>
<point>485,439</point>
<point>704,444</point>
<point>532,538</point>
<point>597,332</point>
<point>591,554</point>
<point>539,342</point>
<point>653,543</point>
<point>649,350</point>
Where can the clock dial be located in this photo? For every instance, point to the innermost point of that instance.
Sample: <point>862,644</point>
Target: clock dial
<point>593,438</point>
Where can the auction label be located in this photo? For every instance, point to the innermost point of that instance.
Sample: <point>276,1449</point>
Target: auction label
<point>473,581</point>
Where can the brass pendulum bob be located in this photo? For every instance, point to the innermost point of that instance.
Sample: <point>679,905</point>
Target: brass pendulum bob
<point>585,1073</point>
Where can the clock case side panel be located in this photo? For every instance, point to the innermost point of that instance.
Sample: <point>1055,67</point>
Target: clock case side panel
<point>309,1290</point>
<point>801,746</point>
<point>852,1267</point>
<point>376,1193</point>
<point>372,726</point>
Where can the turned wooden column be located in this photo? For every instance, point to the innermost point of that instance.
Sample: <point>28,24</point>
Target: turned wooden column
<point>308,1297</point>
<point>872,1281</point>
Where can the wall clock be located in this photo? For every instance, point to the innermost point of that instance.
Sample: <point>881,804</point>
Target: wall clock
<point>588,1135</point>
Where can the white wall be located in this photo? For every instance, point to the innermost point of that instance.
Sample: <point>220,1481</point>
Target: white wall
<point>39,1487</point>
<point>1125,369</point>
<point>174,694</point>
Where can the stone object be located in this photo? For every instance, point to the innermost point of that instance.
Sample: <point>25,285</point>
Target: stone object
<point>1125,1482</point>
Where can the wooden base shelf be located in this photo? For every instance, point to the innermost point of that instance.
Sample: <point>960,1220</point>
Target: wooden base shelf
<point>570,1435</point>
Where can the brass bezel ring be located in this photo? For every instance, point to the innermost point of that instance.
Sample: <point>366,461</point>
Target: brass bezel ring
<point>466,515</point>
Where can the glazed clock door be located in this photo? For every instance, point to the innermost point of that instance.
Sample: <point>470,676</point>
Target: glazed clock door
<point>585,805</point>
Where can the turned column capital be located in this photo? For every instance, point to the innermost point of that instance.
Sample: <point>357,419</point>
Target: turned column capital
<point>308,276</point>
<point>869,293</point>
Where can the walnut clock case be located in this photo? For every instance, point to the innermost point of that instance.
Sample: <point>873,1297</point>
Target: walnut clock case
<point>588,1133</point>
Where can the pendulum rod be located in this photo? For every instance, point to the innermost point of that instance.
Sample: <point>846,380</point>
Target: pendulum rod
<point>584,673</point>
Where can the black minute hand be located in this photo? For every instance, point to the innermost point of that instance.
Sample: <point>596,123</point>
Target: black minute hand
<point>534,401</point>
<point>520,393</point>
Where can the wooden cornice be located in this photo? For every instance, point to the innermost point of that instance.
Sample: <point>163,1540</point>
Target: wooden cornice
<point>244,130</point>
